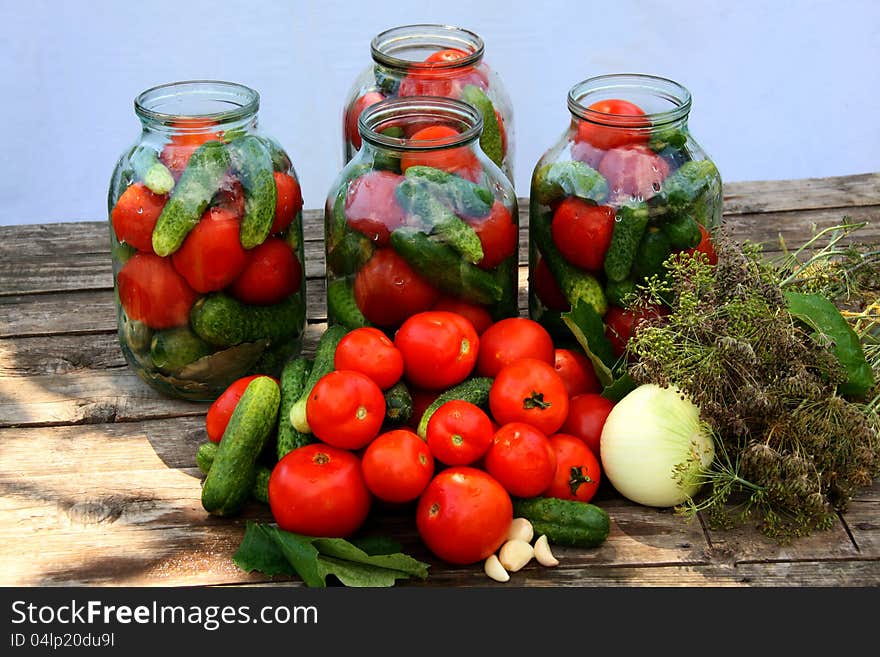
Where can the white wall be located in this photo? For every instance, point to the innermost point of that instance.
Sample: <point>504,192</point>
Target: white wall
<point>782,89</point>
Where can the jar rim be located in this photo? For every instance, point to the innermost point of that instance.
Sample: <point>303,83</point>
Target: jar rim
<point>432,34</point>
<point>664,88</point>
<point>419,106</point>
<point>237,101</point>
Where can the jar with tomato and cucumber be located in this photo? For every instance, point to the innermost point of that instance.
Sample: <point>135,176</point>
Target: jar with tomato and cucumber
<point>421,219</point>
<point>433,60</point>
<point>206,236</point>
<point>624,188</point>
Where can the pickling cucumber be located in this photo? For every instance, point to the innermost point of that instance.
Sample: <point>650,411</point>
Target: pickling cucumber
<point>689,182</point>
<point>173,349</point>
<point>349,253</point>
<point>565,522</point>
<point>280,161</point>
<point>220,320</point>
<point>325,354</point>
<point>490,137</point>
<point>342,307</point>
<point>233,472</point>
<point>462,196</point>
<point>682,231</point>
<point>398,404</point>
<point>203,176</point>
<point>554,181</point>
<point>629,226</point>
<point>205,456</point>
<point>475,391</point>
<point>617,291</point>
<point>293,380</point>
<point>654,249</point>
<point>149,170</point>
<point>251,161</point>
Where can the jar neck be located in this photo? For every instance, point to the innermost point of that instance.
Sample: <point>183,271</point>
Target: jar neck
<point>199,107</point>
<point>386,124</point>
<point>406,48</point>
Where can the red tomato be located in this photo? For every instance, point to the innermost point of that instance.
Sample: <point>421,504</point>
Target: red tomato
<point>397,466</point>
<point>503,131</point>
<point>633,171</point>
<point>620,324</point>
<point>345,409</point>
<point>521,459</point>
<point>351,119</point>
<point>547,289</point>
<point>421,400</point>
<point>530,391</point>
<point>585,152</point>
<point>476,315</point>
<point>439,349</point>
<point>509,340</point>
<point>371,205</point>
<point>577,470</point>
<point>134,216</point>
<point>577,373</point>
<point>498,235</point>
<point>447,56</point>
<point>153,293</point>
<point>288,201</point>
<point>221,410</point>
<point>318,490</point>
<point>463,515</point>
<point>582,232</point>
<point>705,246</point>
<point>586,417</point>
<point>211,256</point>
<point>230,197</point>
<point>441,79</point>
<point>387,290</point>
<point>369,351</point>
<point>459,433</point>
<point>193,133</point>
<point>272,273</point>
<point>461,160</point>
<point>624,130</point>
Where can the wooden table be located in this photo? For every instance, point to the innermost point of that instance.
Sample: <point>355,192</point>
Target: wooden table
<point>98,483</point>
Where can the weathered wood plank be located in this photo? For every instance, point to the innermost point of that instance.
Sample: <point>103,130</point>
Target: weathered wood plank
<point>802,194</point>
<point>863,520</point>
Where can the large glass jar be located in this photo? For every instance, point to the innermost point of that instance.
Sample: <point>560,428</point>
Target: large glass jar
<point>419,223</point>
<point>206,236</point>
<point>433,60</point>
<point>624,187</point>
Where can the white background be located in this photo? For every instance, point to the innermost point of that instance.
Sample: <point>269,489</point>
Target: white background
<point>782,89</point>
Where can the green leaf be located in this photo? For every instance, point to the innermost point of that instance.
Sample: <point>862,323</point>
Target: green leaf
<point>259,551</point>
<point>342,549</point>
<point>822,316</point>
<point>589,330</point>
<point>377,544</point>
<point>619,388</point>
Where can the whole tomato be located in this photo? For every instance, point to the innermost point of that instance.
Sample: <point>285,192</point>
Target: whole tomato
<point>439,349</point>
<point>461,160</point>
<point>509,340</point>
<point>705,246</point>
<point>211,256</point>
<point>633,171</point>
<point>318,490</point>
<point>577,372</point>
<point>397,466</point>
<point>619,126</point>
<point>530,391</point>
<point>371,205</point>
<point>351,118</point>
<point>135,214</point>
<point>522,459</point>
<point>547,289</point>
<point>586,417</point>
<point>621,325</point>
<point>288,201</point>
<point>272,273</point>
<point>222,408</point>
<point>387,290</point>
<point>369,351</point>
<point>577,470</point>
<point>582,232</point>
<point>345,409</point>
<point>498,235</point>
<point>459,433</point>
<point>463,515</point>
<point>476,315</point>
<point>152,292</point>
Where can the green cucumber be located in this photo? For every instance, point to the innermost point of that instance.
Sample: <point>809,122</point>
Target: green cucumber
<point>325,354</point>
<point>252,162</point>
<point>629,226</point>
<point>388,80</point>
<point>223,321</point>
<point>462,196</point>
<point>444,267</point>
<point>416,198</point>
<point>673,138</point>
<point>617,291</point>
<point>506,274</point>
<point>387,159</point>
<point>233,473</point>
<point>490,137</point>
<point>336,223</point>
<point>204,173</point>
<point>205,456</point>
<point>280,160</point>
<point>173,349</point>
<point>398,404</point>
<point>475,391</point>
<point>138,336</point>
<point>690,182</point>
<point>554,181</point>
<point>654,249</point>
<point>293,380</point>
<point>342,307</point>
<point>147,167</point>
<point>565,522</point>
<point>349,253</point>
<point>683,232</point>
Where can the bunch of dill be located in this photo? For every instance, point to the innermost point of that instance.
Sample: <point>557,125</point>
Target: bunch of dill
<point>790,451</point>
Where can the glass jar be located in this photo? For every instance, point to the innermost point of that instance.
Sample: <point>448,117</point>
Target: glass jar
<point>206,237</point>
<point>420,223</point>
<point>433,60</point>
<point>624,187</point>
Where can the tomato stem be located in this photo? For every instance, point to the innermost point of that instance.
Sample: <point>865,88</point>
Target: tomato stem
<point>578,477</point>
<point>536,400</point>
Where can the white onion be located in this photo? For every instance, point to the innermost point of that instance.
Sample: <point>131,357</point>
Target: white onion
<point>654,448</point>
